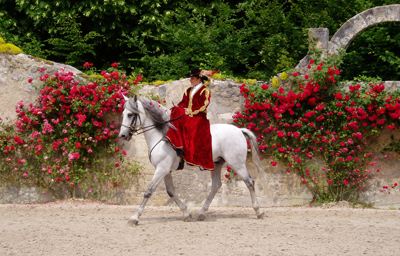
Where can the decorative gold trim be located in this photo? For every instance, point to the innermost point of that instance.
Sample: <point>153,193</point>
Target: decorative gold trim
<point>206,102</point>
<point>190,102</point>
<point>183,156</point>
<point>169,139</point>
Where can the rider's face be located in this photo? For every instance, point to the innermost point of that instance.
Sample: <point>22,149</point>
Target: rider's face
<point>194,80</point>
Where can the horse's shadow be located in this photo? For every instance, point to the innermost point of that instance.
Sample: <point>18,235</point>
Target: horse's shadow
<point>211,217</point>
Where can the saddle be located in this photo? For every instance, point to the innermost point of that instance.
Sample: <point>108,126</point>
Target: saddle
<point>179,152</point>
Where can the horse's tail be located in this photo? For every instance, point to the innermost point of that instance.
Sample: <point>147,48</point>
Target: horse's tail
<point>254,148</point>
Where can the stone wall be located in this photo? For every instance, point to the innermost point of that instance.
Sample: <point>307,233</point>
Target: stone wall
<point>15,71</point>
<point>274,187</point>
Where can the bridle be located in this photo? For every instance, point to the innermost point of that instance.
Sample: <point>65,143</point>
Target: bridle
<point>132,127</point>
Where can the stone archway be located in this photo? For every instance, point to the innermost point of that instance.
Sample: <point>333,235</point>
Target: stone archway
<point>319,37</point>
<point>366,19</point>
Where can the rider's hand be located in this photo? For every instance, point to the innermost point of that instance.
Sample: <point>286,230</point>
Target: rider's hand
<point>187,111</point>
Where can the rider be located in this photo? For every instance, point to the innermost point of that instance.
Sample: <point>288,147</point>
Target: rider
<point>192,138</point>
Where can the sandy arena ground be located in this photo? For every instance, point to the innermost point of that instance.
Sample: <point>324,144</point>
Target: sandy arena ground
<point>76,227</point>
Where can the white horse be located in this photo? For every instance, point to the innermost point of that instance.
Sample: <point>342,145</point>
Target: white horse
<point>228,145</point>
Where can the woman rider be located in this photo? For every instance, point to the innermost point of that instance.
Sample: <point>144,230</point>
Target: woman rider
<point>192,138</point>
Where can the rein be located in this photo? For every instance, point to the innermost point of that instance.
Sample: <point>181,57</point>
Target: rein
<point>155,145</point>
<point>143,129</point>
<point>133,130</point>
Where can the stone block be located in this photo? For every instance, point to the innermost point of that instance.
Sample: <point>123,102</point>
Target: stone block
<point>319,36</point>
<point>386,13</point>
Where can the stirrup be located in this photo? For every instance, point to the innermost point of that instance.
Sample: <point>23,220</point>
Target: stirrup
<point>181,164</point>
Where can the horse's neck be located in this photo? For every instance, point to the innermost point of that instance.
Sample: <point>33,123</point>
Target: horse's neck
<point>152,136</point>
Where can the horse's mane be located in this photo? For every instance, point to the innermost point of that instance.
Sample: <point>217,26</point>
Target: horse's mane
<point>155,111</point>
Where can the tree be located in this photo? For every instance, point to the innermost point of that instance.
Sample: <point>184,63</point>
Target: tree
<point>163,39</point>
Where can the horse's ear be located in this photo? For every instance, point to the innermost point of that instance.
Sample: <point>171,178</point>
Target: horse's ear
<point>135,98</point>
<point>125,98</point>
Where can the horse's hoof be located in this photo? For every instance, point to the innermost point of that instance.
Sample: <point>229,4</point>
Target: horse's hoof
<point>260,215</point>
<point>187,218</point>
<point>201,217</point>
<point>133,222</point>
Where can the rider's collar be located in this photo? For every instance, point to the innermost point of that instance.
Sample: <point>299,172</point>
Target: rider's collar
<point>196,88</point>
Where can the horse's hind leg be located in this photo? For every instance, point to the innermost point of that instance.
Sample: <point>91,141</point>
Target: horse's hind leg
<point>157,177</point>
<point>249,181</point>
<point>171,192</point>
<point>215,185</point>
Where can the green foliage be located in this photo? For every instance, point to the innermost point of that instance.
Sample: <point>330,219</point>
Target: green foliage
<point>163,39</point>
<point>375,53</point>
<point>68,43</point>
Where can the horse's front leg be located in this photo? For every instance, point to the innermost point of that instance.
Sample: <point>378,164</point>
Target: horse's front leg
<point>159,174</point>
<point>171,192</point>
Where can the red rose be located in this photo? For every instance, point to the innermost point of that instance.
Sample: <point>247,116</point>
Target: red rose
<point>391,126</point>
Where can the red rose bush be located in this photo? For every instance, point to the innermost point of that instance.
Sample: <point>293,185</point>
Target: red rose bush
<point>64,138</point>
<point>317,120</point>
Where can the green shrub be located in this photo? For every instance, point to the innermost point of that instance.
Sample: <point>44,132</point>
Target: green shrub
<point>10,48</point>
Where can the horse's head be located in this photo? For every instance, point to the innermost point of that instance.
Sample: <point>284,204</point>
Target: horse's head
<point>131,118</point>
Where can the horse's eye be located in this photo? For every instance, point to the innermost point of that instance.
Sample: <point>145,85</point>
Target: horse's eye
<point>130,115</point>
